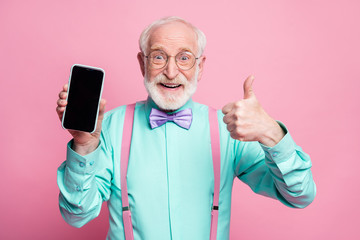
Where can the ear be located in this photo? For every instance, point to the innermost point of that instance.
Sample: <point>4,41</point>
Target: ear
<point>140,57</point>
<point>201,66</point>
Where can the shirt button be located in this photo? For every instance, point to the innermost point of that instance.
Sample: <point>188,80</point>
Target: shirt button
<point>91,163</point>
<point>275,154</point>
<point>78,188</point>
<point>81,164</point>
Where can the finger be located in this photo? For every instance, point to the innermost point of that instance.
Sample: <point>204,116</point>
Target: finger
<point>227,108</point>
<point>226,119</point>
<point>231,127</point>
<point>61,102</point>
<point>229,117</point>
<point>248,91</point>
<point>60,111</point>
<point>235,135</point>
<point>62,95</point>
<point>65,87</point>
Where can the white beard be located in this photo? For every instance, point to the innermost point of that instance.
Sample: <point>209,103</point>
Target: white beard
<point>169,101</point>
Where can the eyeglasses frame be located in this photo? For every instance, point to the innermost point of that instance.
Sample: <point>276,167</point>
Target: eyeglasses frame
<point>168,57</point>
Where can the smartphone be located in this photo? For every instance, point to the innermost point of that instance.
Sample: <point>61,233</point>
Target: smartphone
<point>83,99</point>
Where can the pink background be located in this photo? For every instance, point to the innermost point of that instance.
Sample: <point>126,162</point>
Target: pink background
<point>304,55</point>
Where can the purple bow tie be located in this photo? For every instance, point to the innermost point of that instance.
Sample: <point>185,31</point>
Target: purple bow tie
<point>182,118</point>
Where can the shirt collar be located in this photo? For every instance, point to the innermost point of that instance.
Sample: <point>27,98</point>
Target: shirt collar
<point>150,104</point>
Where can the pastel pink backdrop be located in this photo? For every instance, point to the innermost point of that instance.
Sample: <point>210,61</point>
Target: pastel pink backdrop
<point>304,55</point>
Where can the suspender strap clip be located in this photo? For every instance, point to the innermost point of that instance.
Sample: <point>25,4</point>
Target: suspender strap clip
<point>126,208</point>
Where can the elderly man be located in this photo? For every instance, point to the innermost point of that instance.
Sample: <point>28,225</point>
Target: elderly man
<point>170,173</point>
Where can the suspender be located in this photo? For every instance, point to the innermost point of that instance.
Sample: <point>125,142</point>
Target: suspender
<point>125,152</point>
<point>215,148</point>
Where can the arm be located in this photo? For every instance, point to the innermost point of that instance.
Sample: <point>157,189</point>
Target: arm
<point>84,183</point>
<point>267,158</point>
<point>84,179</point>
<point>281,172</point>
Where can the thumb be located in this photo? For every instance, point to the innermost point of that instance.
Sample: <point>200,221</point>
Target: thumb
<point>248,91</point>
<point>102,109</point>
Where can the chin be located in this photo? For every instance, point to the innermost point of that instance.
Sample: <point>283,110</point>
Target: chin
<point>170,101</point>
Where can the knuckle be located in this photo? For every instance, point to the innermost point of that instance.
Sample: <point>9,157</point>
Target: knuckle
<point>238,123</point>
<point>225,119</point>
<point>238,104</point>
<point>229,127</point>
<point>237,115</point>
<point>62,102</point>
<point>238,132</point>
<point>233,135</point>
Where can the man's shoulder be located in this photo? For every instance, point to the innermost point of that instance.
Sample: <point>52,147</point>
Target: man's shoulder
<point>203,108</point>
<point>119,112</point>
<point>200,106</point>
<point>116,112</point>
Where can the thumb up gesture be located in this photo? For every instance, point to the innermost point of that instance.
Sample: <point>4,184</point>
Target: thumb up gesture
<point>246,120</point>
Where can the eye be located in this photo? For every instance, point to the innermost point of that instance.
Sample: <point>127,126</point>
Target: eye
<point>184,57</point>
<point>158,57</point>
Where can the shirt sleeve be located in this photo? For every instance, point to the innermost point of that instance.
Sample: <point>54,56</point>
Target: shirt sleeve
<point>282,172</point>
<point>84,183</point>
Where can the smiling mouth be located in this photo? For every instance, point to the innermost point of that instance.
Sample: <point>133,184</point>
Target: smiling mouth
<point>170,85</point>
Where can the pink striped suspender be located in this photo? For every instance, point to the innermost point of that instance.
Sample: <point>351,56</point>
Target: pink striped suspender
<point>125,152</point>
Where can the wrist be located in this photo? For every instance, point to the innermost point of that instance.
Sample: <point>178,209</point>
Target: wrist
<point>273,135</point>
<point>85,148</point>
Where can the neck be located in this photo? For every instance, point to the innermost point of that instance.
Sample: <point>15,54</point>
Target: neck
<point>188,104</point>
<point>168,110</point>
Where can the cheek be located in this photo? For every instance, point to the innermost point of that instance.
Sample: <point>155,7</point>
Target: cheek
<point>192,73</point>
<point>189,75</point>
<point>150,75</point>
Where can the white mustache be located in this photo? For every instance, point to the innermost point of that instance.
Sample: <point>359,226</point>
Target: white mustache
<point>161,78</point>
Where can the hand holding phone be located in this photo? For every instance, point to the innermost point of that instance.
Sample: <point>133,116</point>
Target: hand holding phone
<point>86,138</point>
<point>84,94</point>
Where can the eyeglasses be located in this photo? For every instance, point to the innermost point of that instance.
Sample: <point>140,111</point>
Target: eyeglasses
<point>184,60</point>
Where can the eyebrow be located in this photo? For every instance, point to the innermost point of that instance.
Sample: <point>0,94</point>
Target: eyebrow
<point>158,47</point>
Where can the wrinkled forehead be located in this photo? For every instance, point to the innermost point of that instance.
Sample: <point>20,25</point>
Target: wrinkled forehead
<point>173,37</point>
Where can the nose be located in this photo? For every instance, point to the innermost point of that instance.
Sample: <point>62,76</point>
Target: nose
<point>171,69</point>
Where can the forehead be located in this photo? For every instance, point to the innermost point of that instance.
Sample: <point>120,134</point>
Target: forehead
<point>173,37</point>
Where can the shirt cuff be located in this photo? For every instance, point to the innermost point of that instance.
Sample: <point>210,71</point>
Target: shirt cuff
<point>81,164</point>
<point>282,150</point>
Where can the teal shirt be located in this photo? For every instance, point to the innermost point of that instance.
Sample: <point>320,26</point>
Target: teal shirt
<point>170,176</point>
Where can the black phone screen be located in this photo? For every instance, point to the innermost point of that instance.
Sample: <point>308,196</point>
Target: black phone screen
<point>83,98</point>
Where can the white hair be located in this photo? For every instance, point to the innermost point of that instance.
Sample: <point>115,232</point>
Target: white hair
<point>145,35</point>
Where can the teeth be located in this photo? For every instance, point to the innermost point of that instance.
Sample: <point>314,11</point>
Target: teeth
<point>171,86</point>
